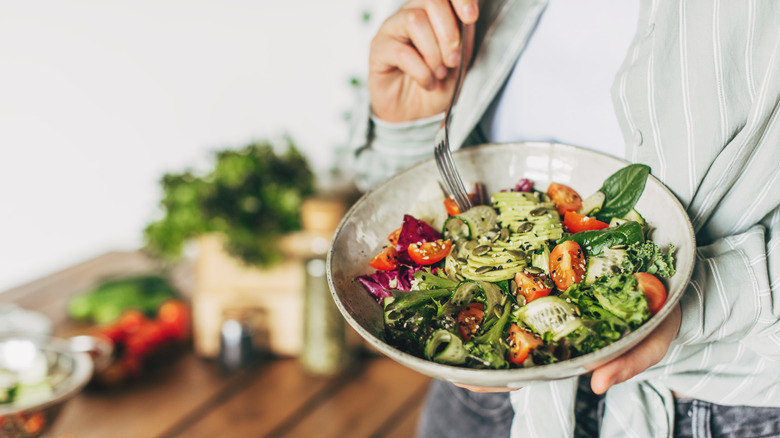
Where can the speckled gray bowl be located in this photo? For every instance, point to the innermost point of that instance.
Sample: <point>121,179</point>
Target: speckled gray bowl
<point>364,230</point>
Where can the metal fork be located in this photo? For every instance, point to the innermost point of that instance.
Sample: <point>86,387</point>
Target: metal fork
<point>449,173</point>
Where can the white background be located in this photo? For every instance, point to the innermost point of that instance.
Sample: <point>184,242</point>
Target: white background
<point>98,99</point>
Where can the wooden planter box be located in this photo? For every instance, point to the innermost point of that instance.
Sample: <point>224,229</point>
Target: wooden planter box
<point>225,285</point>
<point>275,295</point>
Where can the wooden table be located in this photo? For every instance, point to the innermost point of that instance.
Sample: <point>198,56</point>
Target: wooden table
<point>192,398</point>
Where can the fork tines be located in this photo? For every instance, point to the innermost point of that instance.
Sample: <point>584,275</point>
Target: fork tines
<point>450,176</point>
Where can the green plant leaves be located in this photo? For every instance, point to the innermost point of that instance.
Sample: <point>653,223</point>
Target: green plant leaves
<point>252,196</point>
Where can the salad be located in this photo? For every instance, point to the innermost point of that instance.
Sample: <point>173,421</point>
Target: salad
<point>523,278</point>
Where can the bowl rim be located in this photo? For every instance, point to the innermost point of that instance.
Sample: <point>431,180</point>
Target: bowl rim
<point>82,372</point>
<point>523,376</point>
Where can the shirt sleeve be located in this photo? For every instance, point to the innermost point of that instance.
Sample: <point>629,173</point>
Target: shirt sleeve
<point>381,148</point>
<point>733,294</point>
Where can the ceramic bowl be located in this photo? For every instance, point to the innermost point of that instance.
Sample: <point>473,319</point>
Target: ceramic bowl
<point>363,232</point>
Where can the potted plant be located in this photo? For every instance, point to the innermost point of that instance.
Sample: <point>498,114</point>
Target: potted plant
<point>236,213</point>
<point>252,197</point>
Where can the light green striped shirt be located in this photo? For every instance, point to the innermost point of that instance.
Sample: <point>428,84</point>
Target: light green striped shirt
<point>698,100</point>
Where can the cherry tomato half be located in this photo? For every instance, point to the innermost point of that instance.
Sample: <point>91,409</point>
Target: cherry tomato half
<point>451,206</point>
<point>564,197</point>
<point>653,289</point>
<point>131,321</point>
<point>577,222</point>
<point>470,319</point>
<point>427,253</point>
<point>521,342</point>
<point>34,424</point>
<point>386,260</point>
<point>531,286</point>
<point>173,317</point>
<point>145,340</point>
<point>567,264</point>
<point>393,237</point>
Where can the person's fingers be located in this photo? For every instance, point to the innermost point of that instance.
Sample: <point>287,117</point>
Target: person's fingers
<point>409,27</point>
<point>389,54</point>
<point>473,388</point>
<point>445,27</point>
<point>646,354</point>
<point>420,32</point>
<point>467,10</point>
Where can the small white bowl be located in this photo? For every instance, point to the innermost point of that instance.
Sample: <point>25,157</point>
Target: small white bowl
<point>33,359</point>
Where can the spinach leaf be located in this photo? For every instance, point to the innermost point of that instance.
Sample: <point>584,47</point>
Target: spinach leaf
<point>594,241</point>
<point>622,190</point>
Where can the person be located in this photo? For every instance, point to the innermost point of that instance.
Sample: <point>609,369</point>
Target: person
<point>695,95</point>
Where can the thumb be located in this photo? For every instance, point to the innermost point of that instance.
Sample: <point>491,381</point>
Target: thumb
<point>646,354</point>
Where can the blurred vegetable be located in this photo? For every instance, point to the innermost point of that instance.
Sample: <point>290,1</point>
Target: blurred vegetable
<point>140,341</point>
<point>252,196</point>
<point>106,302</point>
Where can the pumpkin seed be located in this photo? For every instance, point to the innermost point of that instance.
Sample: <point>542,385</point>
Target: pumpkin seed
<point>503,234</point>
<point>483,269</point>
<point>480,250</point>
<point>516,253</point>
<point>548,283</point>
<point>533,270</point>
<point>538,211</point>
<point>525,227</point>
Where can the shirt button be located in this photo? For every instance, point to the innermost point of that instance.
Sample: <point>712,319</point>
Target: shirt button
<point>637,137</point>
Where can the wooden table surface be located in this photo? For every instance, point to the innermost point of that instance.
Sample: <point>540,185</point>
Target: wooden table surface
<point>191,397</point>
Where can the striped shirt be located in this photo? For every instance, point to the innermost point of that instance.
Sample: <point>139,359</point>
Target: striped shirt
<point>698,100</point>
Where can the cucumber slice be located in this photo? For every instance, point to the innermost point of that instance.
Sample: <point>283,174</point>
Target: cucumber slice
<point>493,295</point>
<point>631,216</point>
<point>592,204</point>
<point>445,347</point>
<point>634,215</point>
<point>550,314</point>
<point>542,259</point>
<point>610,262</point>
<point>471,223</point>
<point>465,293</point>
<point>614,222</point>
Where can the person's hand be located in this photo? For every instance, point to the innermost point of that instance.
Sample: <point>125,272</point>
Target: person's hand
<point>413,58</point>
<point>646,354</point>
<point>473,388</point>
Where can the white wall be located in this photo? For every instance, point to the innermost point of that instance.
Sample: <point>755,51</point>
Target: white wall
<point>99,98</point>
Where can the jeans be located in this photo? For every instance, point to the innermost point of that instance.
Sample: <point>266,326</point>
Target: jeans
<point>699,419</point>
<point>450,411</point>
